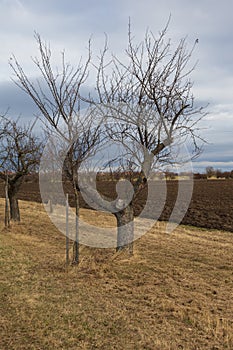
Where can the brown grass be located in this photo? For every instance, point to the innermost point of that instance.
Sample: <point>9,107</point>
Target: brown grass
<point>175,292</point>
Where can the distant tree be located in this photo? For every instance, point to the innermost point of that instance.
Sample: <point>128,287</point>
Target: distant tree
<point>219,174</point>
<point>170,175</point>
<point>210,171</point>
<point>20,151</point>
<point>199,176</point>
<point>226,174</point>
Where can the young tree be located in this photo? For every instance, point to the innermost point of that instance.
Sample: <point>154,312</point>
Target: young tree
<point>57,94</point>
<point>147,99</point>
<point>20,154</point>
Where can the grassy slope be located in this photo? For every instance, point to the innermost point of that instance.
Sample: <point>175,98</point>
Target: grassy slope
<point>175,293</point>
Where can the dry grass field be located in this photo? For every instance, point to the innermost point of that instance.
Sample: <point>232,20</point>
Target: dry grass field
<point>176,292</point>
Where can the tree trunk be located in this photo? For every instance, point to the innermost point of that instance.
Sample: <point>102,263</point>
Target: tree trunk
<point>14,206</point>
<point>7,214</point>
<point>125,229</point>
<point>76,241</point>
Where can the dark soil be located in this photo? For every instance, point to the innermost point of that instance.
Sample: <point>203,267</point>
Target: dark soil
<point>211,205</point>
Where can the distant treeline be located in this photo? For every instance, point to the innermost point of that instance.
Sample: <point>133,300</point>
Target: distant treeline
<point>218,173</point>
<point>209,173</point>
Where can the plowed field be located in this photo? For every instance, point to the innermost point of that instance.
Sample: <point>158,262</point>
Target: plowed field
<point>211,205</point>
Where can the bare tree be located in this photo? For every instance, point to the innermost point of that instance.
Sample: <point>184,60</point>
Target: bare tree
<point>147,99</point>
<point>210,171</point>
<point>147,104</point>
<point>20,154</point>
<point>57,94</point>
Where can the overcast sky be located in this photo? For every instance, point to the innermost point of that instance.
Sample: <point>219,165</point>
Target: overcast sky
<point>68,24</point>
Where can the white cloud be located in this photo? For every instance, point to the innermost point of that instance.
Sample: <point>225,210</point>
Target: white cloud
<point>202,165</point>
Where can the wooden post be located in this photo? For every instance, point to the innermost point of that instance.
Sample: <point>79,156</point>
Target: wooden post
<point>50,206</point>
<point>76,241</point>
<point>7,214</point>
<point>67,229</point>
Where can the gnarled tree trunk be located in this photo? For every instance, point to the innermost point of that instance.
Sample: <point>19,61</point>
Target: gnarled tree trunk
<point>14,206</point>
<point>125,229</point>
<point>13,188</point>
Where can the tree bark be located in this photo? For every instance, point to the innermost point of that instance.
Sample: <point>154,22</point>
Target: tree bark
<point>13,188</point>
<point>125,229</point>
<point>7,214</point>
<point>14,206</point>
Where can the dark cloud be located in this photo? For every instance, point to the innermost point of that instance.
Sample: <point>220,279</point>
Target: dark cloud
<point>15,101</point>
<point>69,24</point>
